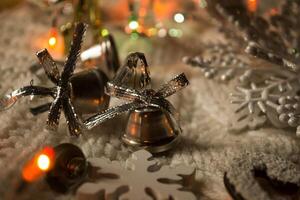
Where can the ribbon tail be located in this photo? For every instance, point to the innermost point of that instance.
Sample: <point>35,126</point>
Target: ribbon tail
<point>174,85</point>
<point>111,113</point>
<point>7,101</point>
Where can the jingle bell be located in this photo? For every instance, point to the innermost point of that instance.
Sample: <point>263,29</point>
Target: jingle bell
<point>99,64</point>
<point>103,54</point>
<point>69,170</point>
<point>87,92</point>
<point>152,129</point>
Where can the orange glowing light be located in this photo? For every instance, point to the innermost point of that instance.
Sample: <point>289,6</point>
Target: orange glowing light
<point>53,34</point>
<point>252,5</point>
<point>43,162</point>
<point>39,164</point>
<point>52,41</point>
<point>165,9</point>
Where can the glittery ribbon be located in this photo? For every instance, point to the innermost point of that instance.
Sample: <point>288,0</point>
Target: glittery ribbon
<point>140,99</point>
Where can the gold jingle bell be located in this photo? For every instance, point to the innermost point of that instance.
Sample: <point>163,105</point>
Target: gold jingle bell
<point>152,129</point>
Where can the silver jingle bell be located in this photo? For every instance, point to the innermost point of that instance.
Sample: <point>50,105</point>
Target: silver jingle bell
<point>152,129</point>
<point>103,56</point>
<point>87,93</point>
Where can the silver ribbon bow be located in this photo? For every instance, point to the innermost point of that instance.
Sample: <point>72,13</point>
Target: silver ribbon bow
<point>62,90</point>
<point>140,99</point>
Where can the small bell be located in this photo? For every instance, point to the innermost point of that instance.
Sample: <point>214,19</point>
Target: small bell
<point>88,94</point>
<point>152,129</point>
<point>98,64</point>
<point>103,56</point>
<point>153,122</point>
<point>69,170</point>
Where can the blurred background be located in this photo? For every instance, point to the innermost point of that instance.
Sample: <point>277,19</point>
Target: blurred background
<point>150,26</point>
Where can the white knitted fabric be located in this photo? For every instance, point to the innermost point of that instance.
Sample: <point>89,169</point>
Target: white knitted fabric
<point>204,107</point>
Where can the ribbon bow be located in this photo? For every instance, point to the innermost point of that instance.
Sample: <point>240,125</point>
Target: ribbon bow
<point>140,99</point>
<point>61,91</point>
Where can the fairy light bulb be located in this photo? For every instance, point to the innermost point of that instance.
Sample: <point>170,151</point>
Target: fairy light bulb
<point>252,5</point>
<point>52,41</point>
<point>43,162</point>
<point>179,18</point>
<point>133,25</point>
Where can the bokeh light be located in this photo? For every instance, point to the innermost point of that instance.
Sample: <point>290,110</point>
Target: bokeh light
<point>179,18</point>
<point>43,162</point>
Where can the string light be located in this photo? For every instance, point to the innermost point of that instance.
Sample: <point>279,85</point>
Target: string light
<point>252,5</point>
<point>134,35</point>
<point>42,162</point>
<point>104,32</point>
<point>179,18</point>
<point>175,32</point>
<point>151,32</point>
<point>52,41</point>
<point>133,25</point>
<point>162,32</point>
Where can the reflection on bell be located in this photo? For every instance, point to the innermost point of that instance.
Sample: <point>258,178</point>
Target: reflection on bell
<point>152,129</point>
<point>88,94</point>
<point>98,64</point>
<point>70,168</point>
<point>103,54</point>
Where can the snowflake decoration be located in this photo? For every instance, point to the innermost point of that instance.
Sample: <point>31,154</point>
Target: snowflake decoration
<point>268,86</point>
<point>144,180</point>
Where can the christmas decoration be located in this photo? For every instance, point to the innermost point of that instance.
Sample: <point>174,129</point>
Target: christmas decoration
<point>112,181</point>
<point>69,170</point>
<point>64,167</point>
<point>61,93</point>
<point>42,162</point>
<point>144,103</point>
<point>264,86</point>
<point>99,63</point>
<point>103,54</point>
<point>99,55</point>
<point>221,62</point>
<point>263,177</point>
<point>87,11</point>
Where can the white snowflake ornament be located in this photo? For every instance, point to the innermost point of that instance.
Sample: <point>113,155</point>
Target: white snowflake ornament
<point>144,180</point>
<point>267,83</point>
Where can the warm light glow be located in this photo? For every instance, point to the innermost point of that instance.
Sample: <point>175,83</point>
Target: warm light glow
<point>52,41</point>
<point>179,18</point>
<point>151,32</point>
<point>43,162</point>
<point>133,25</point>
<point>162,33</point>
<point>104,32</point>
<point>252,5</point>
<point>175,32</point>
